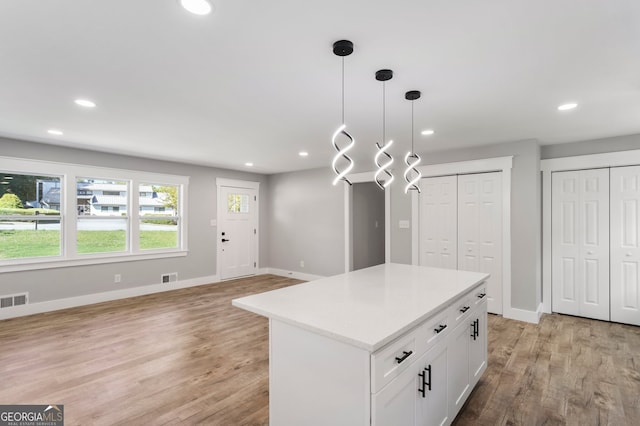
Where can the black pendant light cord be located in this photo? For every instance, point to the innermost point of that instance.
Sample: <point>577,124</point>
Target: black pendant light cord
<point>384,112</point>
<point>343,90</point>
<point>412,129</point>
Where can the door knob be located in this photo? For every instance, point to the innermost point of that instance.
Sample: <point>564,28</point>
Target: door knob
<point>224,240</point>
<point>629,254</point>
<point>590,252</point>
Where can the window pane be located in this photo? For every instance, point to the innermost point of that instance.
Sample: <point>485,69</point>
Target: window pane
<point>37,238</point>
<point>159,216</point>
<point>101,197</point>
<point>101,235</point>
<point>158,233</point>
<point>238,203</point>
<point>29,215</point>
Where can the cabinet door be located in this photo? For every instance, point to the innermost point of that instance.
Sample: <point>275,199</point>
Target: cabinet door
<point>480,230</point>
<point>580,243</point>
<point>432,407</point>
<point>438,222</point>
<point>458,367</point>
<point>478,344</point>
<point>397,403</point>
<point>625,244</point>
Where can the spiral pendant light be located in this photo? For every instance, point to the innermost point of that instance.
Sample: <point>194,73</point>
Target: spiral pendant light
<point>412,175</point>
<point>342,48</point>
<point>383,167</point>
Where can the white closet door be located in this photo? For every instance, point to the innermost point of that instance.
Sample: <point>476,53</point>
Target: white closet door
<point>480,230</point>
<point>438,222</point>
<point>625,244</point>
<point>580,243</point>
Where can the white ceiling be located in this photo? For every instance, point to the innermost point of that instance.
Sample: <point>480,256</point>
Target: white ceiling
<point>257,80</point>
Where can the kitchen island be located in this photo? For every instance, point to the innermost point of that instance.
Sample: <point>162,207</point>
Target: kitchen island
<point>387,345</point>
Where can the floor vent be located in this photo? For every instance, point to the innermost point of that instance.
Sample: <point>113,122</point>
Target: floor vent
<point>14,300</point>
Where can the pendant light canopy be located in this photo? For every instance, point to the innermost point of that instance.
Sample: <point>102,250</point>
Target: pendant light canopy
<point>412,175</point>
<point>383,168</point>
<point>342,48</point>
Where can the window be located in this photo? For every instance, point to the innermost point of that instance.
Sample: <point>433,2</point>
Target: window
<point>103,229</point>
<point>238,203</point>
<point>56,214</point>
<point>159,218</point>
<point>30,215</point>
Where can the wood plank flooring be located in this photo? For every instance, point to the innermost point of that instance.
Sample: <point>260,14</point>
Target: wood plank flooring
<point>189,357</point>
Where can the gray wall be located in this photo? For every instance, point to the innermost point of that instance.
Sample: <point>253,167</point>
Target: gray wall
<point>57,283</point>
<point>526,288</point>
<point>306,222</point>
<point>594,146</point>
<point>367,225</point>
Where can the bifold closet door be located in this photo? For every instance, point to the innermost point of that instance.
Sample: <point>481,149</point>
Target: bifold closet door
<point>625,244</point>
<point>480,231</point>
<point>438,222</point>
<point>580,243</point>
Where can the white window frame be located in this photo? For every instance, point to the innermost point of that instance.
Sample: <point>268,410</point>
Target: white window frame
<point>68,174</point>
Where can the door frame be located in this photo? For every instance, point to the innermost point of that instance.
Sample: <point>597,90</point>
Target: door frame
<point>348,212</point>
<point>496,164</point>
<point>578,162</point>
<point>243,184</point>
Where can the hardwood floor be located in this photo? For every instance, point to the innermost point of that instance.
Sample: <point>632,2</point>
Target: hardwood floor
<point>189,357</point>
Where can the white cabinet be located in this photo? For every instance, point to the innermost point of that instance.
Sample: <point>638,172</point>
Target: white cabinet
<point>625,244</point>
<point>434,387</point>
<point>461,227</point>
<point>580,243</point>
<point>478,344</point>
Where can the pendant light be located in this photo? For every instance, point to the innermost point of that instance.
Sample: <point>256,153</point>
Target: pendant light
<point>412,175</point>
<point>383,76</point>
<point>342,48</point>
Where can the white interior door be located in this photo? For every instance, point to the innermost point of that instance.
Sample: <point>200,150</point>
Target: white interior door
<point>480,230</point>
<point>580,243</point>
<point>625,245</point>
<point>237,231</point>
<point>439,222</point>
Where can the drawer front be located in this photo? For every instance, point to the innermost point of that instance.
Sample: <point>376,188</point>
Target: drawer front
<point>434,330</point>
<point>479,295</point>
<point>462,308</point>
<point>390,361</point>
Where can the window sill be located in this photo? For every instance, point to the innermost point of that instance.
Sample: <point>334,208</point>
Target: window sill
<point>50,263</point>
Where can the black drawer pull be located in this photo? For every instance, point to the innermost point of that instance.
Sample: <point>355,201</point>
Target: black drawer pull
<point>465,309</point>
<point>440,328</point>
<point>404,356</point>
<point>481,295</point>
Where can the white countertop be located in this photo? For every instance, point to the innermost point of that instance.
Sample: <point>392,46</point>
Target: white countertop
<point>367,308</point>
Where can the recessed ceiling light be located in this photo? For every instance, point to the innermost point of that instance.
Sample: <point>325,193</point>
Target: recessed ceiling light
<point>568,106</point>
<point>4,183</point>
<point>303,153</point>
<point>248,164</point>
<point>85,103</point>
<point>8,177</point>
<point>197,7</point>
<point>55,132</point>
<point>427,132</point>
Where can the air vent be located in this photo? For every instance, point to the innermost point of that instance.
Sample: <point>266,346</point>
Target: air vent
<point>169,278</point>
<point>11,300</point>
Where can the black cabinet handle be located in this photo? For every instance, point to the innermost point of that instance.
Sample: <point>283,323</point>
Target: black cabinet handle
<point>428,383</point>
<point>475,332</point>
<point>224,240</point>
<point>440,328</point>
<point>481,295</point>
<point>423,384</point>
<point>404,356</point>
<point>465,309</point>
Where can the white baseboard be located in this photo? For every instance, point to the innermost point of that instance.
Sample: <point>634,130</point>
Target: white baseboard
<point>89,299</point>
<point>293,274</point>
<point>524,315</point>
